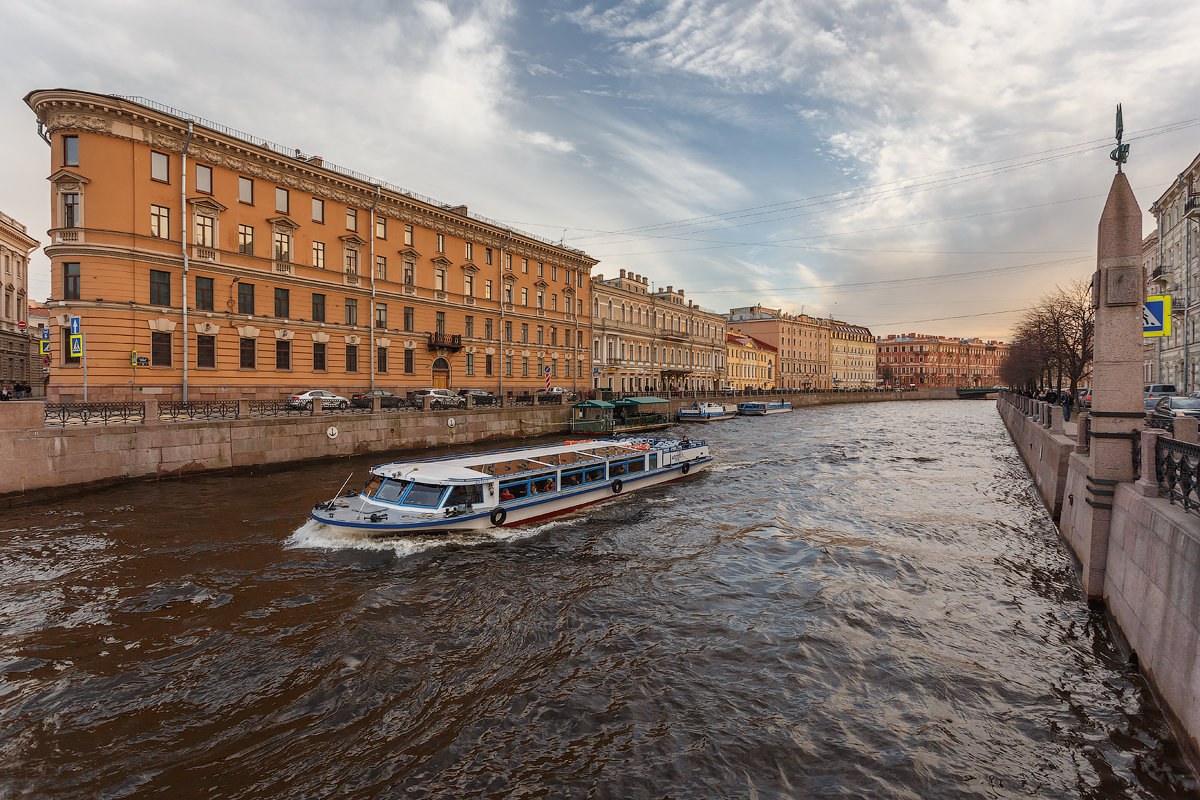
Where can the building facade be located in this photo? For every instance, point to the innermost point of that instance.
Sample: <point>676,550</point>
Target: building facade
<point>1177,273</point>
<point>852,362</point>
<point>914,360</point>
<point>653,341</point>
<point>205,263</point>
<point>1151,345</point>
<point>752,362</point>
<point>801,343</point>
<point>17,344</point>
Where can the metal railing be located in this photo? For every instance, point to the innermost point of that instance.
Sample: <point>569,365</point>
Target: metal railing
<point>1177,472</point>
<point>64,414</point>
<point>197,409</point>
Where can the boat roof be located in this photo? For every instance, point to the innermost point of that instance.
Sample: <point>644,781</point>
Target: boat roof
<point>505,463</point>
<point>637,401</point>
<point>593,404</point>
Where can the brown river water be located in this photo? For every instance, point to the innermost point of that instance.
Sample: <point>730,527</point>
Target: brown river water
<point>855,601</point>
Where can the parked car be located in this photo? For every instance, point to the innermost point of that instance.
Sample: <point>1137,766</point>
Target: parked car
<point>439,398</point>
<point>1084,399</point>
<point>1167,409</point>
<point>386,399</point>
<point>481,397</point>
<point>305,399</point>
<point>1153,391</point>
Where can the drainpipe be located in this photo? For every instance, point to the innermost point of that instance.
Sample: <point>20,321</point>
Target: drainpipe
<point>1187,296</point>
<point>1158,339</point>
<point>183,225</point>
<point>500,333</point>
<point>371,267</point>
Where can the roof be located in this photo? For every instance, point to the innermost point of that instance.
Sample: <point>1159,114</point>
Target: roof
<point>593,404</point>
<point>638,401</point>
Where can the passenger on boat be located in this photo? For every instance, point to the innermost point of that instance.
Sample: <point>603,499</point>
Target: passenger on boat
<point>506,494</point>
<point>574,479</point>
<point>547,485</point>
<point>685,442</point>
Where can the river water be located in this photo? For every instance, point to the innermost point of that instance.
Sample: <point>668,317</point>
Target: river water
<point>856,601</point>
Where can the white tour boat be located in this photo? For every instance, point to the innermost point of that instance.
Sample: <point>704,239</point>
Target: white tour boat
<point>762,407</point>
<point>505,487</point>
<point>705,412</point>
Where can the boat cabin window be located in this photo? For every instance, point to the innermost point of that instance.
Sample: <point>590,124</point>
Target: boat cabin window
<point>636,464</point>
<point>514,490</point>
<point>570,479</point>
<point>392,491</point>
<point>424,495</point>
<point>616,468</point>
<point>372,486</point>
<point>464,495</point>
<point>540,484</point>
<point>653,461</point>
<point>593,474</point>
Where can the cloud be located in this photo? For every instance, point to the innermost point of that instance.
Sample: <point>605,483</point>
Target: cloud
<point>546,141</point>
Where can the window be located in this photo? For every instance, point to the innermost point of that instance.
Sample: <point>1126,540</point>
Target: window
<point>351,311</point>
<point>409,273</point>
<point>70,151</point>
<point>282,303</point>
<point>439,324</point>
<point>319,357</point>
<point>351,261</point>
<point>470,248</point>
<point>524,366</point>
<point>160,166</point>
<point>468,327</point>
<point>318,308</point>
<point>508,366</point>
<point>487,365</point>
<point>554,338</point>
<point>203,179</point>
<point>281,200</point>
<point>246,353</point>
<point>470,366</point>
<point>541,334</point>
<point>206,351</point>
<point>160,287</point>
<point>380,268</point>
<point>283,354</point>
<point>283,246</point>
<point>203,234</point>
<point>246,239</point>
<point>487,329</point>
<point>381,227</point>
<point>524,296</point>
<point>525,265</point>
<point>245,190</point>
<point>469,285</point>
<point>541,299</point>
<point>541,269</point>
<point>508,293</point>
<point>352,219</point>
<point>439,279</point>
<point>318,210</point>
<point>160,349</point>
<point>66,342</point>
<point>525,333</point>
<point>351,358</point>
<point>381,315</point>
<point>160,222</point>
<point>381,359</point>
<point>408,235</point>
<point>553,272</point>
<point>441,242</point>
<point>408,318</point>
<point>245,298</point>
<point>71,280</point>
<point>71,217</point>
<point>487,290</point>
<point>204,294</point>
<point>508,331</point>
<point>319,255</point>
<point>410,358</point>
<point>487,255</point>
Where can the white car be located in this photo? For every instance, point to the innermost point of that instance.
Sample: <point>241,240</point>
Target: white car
<point>440,398</point>
<point>305,399</point>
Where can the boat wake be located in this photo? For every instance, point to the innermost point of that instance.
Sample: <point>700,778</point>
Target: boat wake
<point>318,536</point>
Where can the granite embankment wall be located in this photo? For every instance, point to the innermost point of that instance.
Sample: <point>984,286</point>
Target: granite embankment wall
<point>41,460</point>
<point>1148,561</point>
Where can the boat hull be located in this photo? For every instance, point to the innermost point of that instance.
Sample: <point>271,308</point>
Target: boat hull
<point>763,409</point>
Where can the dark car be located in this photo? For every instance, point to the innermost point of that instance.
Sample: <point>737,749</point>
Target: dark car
<point>1168,409</point>
<point>481,397</point>
<point>386,399</point>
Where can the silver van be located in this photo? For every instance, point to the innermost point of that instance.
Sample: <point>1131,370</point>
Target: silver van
<point>1153,391</point>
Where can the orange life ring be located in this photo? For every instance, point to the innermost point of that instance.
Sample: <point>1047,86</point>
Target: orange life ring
<point>641,447</point>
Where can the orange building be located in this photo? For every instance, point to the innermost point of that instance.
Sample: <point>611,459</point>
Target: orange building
<point>205,263</point>
<point>915,360</point>
<point>751,362</point>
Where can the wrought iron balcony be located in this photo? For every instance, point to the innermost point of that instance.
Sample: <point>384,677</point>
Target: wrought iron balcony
<point>445,341</point>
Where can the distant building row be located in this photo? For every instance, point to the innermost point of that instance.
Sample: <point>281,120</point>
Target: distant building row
<point>201,262</point>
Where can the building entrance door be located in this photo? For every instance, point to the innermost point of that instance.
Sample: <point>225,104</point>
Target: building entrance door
<point>441,374</point>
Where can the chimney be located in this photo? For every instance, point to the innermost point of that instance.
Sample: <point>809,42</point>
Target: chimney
<point>622,273</point>
<point>460,210</point>
<point>316,161</point>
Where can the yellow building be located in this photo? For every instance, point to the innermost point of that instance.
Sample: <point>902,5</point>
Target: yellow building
<point>205,263</point>
<point>852,356</point>
<point>801,343</point>
<point>17,345</point>
<point>751,362</point>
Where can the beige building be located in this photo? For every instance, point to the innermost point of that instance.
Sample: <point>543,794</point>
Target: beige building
<point>1151,345</point>
<point>801,343</point>
<point>851,356</point>
<point>653,341</point>
<point>752,362</point>
<point>1177,273</point>
<point>17,344</point>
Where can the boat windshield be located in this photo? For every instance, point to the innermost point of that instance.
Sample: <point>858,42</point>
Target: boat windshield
<point>392,491</point>
<point>372,486</point>
<point>424,495</point>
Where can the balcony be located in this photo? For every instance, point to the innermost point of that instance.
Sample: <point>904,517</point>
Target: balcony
<point>201,253</point>
<point>68,236</point>
<point>282,267</point>
<point>350,278</point>
<point>445,341</point>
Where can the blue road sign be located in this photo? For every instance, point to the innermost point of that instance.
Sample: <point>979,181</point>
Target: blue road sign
<point>45,334</point>
<point>45,343</point>
<point>1156,316</point>
<point>74,326</point>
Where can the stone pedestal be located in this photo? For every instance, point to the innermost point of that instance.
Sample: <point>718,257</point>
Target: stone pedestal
<point>1081,433</point>
<point>1147,484</point>
<point>1185,429</point>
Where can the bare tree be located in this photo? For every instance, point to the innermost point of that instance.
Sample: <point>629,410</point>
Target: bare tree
<point>1053,341</point>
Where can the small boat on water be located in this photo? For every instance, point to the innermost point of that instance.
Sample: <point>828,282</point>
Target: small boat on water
<point>763,407</point>
<point>705,412</point>
<point>505,487</point>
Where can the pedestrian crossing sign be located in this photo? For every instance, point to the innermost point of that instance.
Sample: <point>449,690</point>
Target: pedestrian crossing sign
<point>1156,316</point>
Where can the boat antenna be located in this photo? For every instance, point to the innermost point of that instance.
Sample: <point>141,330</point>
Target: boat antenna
<point>339,491</point>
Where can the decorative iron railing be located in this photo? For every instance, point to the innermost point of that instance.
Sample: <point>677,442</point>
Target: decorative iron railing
<point>94,413</point>
<point>276,408</point>
<point>197,409</point>
<point>1177,469</point>
<point>1137,454</point>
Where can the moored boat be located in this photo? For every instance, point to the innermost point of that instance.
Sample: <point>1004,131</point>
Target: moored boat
<point>760,408</point>
<point>505,487</point>
<point>705,412</point>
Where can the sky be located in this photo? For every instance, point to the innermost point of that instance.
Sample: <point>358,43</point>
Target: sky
<point>911,166</point>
